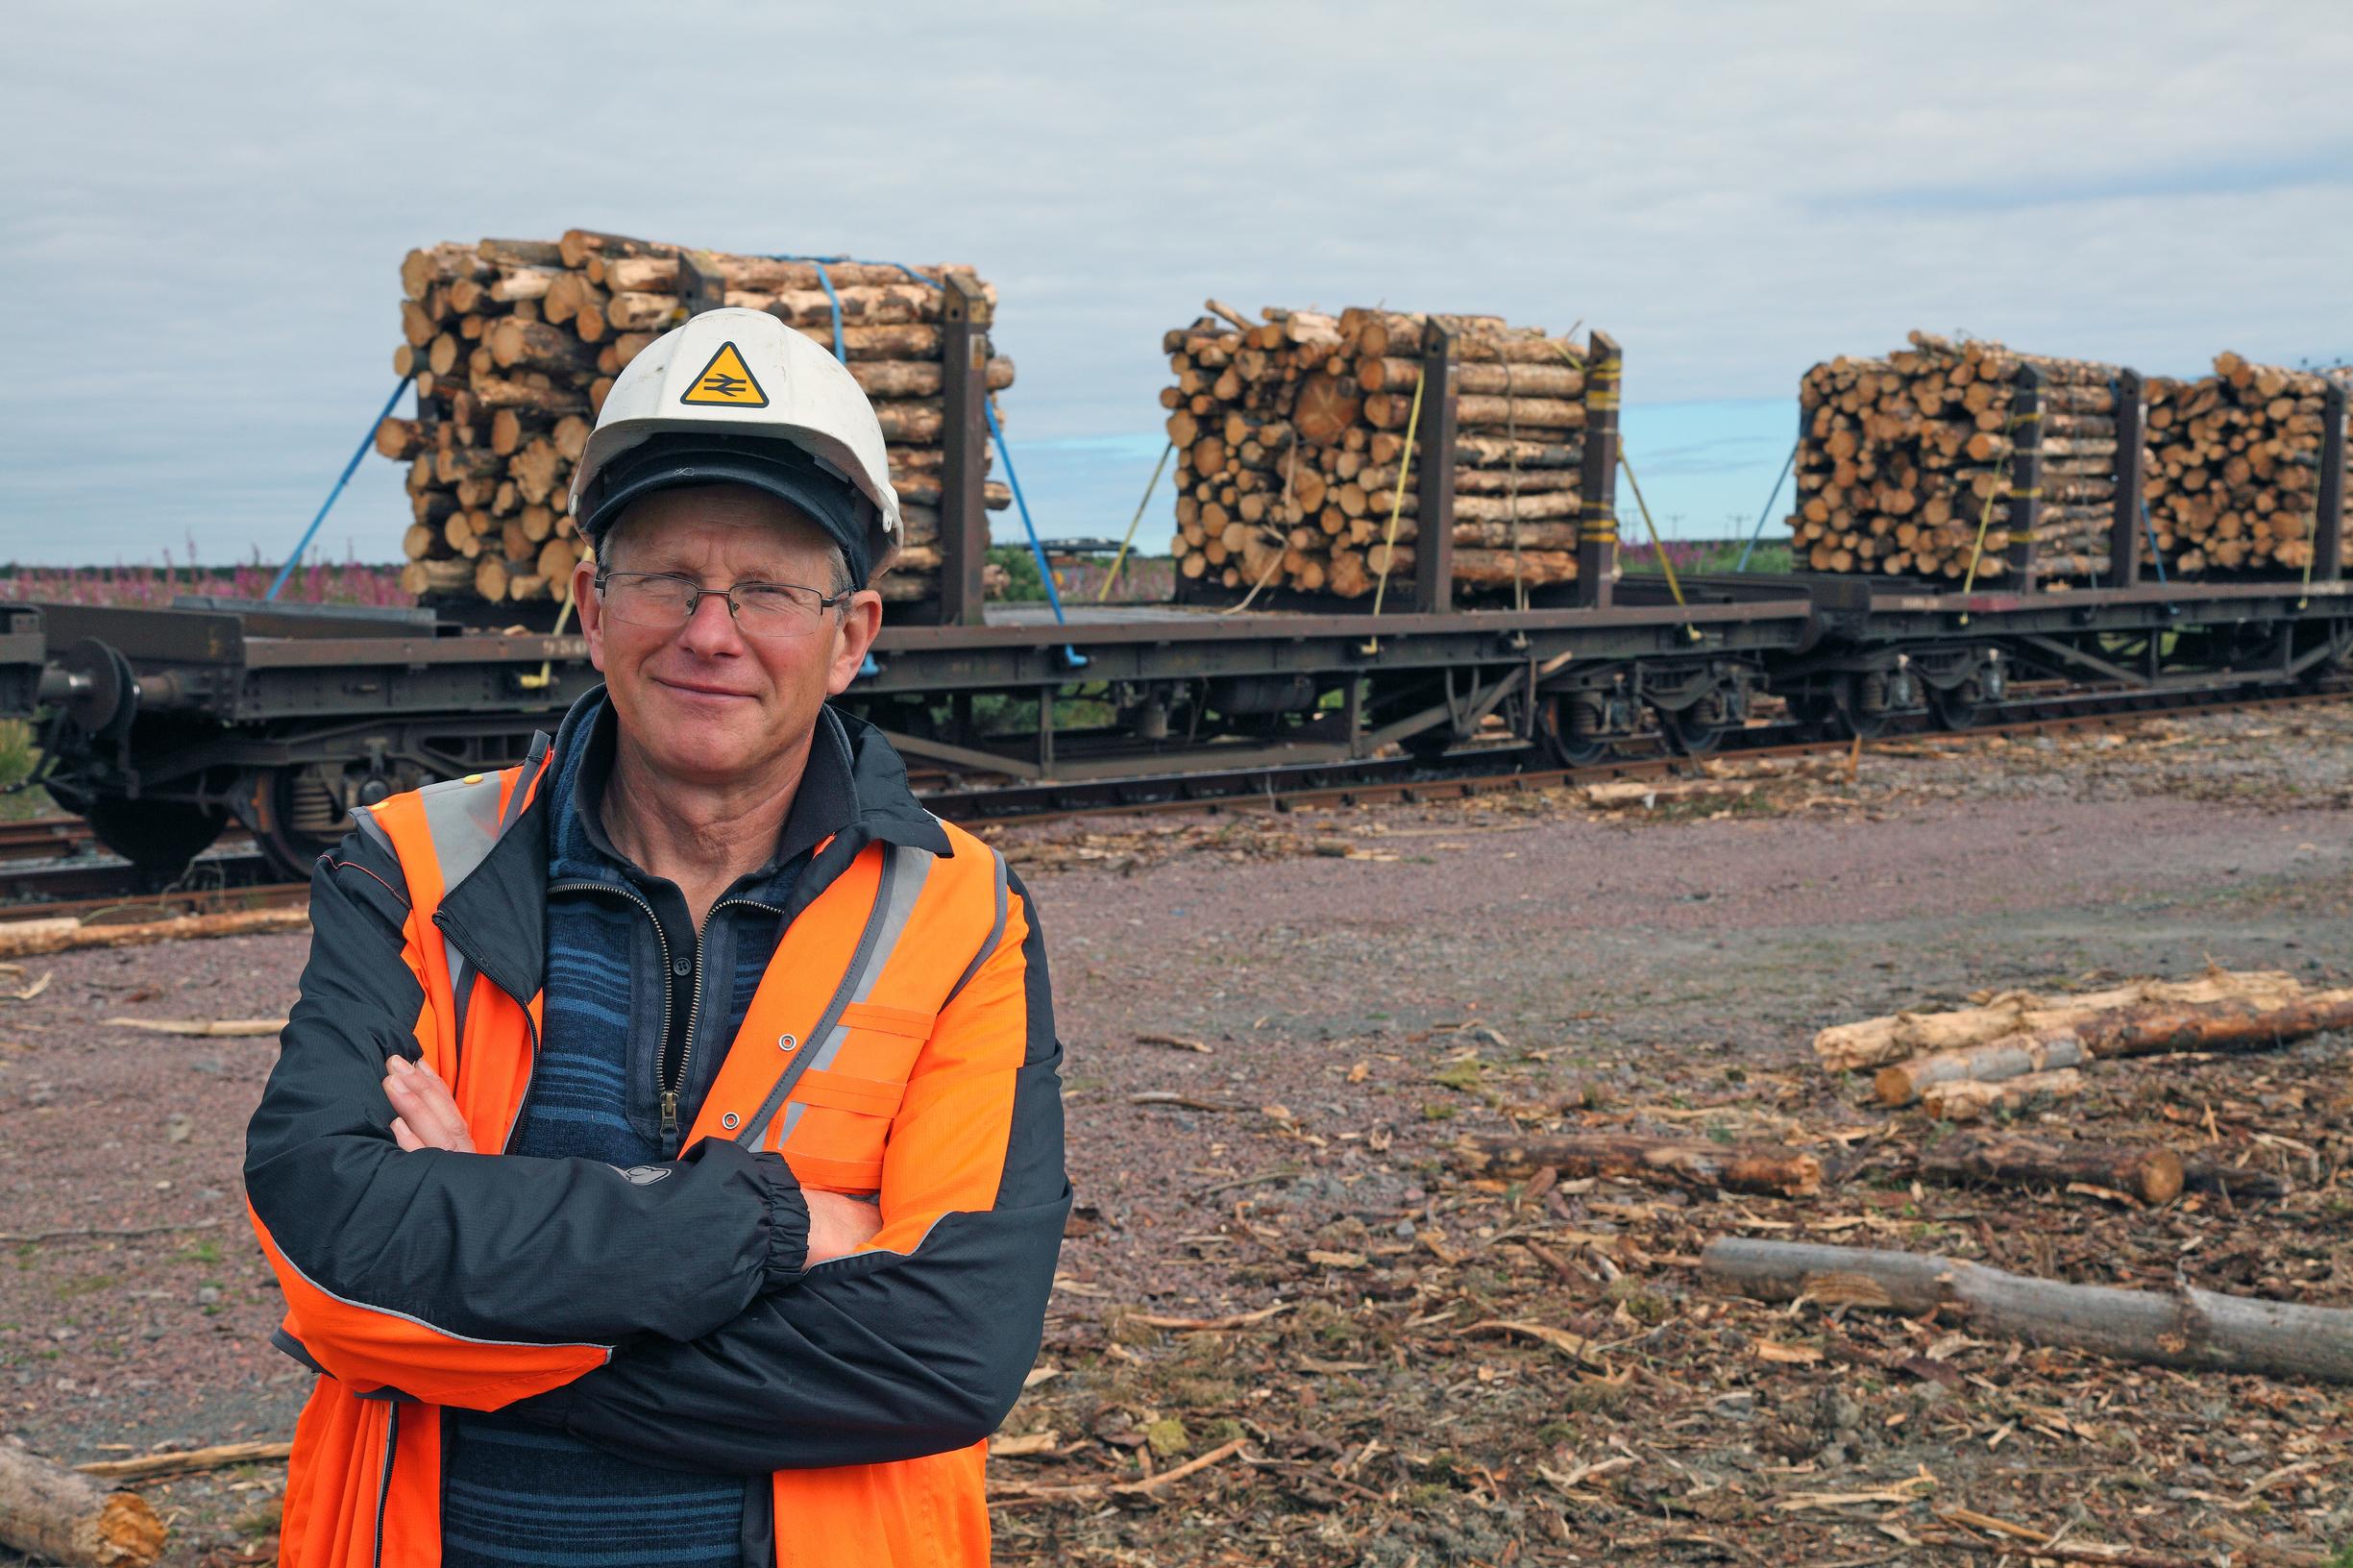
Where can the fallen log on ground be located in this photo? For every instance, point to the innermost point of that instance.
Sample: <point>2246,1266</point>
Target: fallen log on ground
<point>1875,1042</point>
<point>49,1511</point>
<point>23,939</point>
<point>2152,1175</point>
<point>2204,1176</point>
<point>2012,1056</point>
<point>1736,1168</point>
<point>204,1028</point>
<point>2234,1024</point>
<point>186,1462</point>
<point>1971,1099</point>
<point>2194,1329</point>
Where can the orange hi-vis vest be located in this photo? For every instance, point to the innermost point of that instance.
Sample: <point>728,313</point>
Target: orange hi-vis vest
<point>842,1045</point>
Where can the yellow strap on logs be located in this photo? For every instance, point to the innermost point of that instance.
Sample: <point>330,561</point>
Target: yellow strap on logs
<point>1397,504</point>
<point>1272,528</point>
<point>1150,485</point>
<point>1658,544</point>
<point>2312,542</point>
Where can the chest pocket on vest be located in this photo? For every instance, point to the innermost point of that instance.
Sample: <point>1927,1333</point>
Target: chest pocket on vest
<point>839,1118</point>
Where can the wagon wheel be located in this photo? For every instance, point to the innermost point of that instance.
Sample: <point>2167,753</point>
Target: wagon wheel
<point>1859,712</point>
<point>1557,734</point>
<point>158,837</point>
<point>1687,734</point>
<point>1957,707</point>
<point>294,819</point>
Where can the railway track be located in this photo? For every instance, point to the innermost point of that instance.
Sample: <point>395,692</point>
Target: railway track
<point>53,866</point>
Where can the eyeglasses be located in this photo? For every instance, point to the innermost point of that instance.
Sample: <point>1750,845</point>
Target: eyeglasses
<point>666,601</point>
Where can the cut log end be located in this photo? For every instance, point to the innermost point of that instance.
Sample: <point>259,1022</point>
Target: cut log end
<point>50,1511</point>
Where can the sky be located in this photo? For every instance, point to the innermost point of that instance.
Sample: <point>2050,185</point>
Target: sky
<point>203,209</point>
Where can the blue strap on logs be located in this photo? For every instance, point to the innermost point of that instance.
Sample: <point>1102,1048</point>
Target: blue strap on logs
<point>349,469</point>
<point>1758,532</point>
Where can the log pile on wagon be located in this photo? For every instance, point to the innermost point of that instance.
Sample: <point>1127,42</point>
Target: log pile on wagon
<point>1906,462</point>
<point>1291,441</point>
<point>515,343</point>
<point>2234,466</point>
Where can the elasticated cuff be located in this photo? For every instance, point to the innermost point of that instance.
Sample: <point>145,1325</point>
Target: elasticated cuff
<point>788,1220</point>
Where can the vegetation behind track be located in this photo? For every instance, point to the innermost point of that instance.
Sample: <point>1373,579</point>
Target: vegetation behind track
<point>1705,556</point>
<point>153,585</point>
<point>20,755</point>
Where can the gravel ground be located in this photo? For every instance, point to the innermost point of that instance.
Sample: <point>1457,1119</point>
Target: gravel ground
<point>1368,984</point>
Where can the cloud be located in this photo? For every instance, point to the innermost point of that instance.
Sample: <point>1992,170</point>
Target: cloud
<point>207,206</point>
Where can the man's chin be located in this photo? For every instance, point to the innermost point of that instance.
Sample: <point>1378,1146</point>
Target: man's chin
<point>703,751</point>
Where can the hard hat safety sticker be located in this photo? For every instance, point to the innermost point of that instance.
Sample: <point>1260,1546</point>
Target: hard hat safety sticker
<point>726,382</point>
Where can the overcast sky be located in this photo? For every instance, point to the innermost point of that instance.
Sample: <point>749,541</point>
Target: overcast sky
<point>204,207</point>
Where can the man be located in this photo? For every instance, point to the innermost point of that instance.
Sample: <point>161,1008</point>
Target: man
<point>664,1162</point>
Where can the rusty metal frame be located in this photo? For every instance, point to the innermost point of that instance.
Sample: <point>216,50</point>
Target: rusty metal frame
<point>2328,527</point>
<point>1434,536</point>
<point>1597,529</point>
<point>964,438</point>
<point>2026,474</point>
<point>2124,528</point>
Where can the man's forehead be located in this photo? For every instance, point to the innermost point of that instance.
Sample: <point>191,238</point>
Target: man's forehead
<point>730,521</point>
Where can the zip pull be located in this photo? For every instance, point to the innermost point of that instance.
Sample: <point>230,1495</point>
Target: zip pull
<point>670,1112</point>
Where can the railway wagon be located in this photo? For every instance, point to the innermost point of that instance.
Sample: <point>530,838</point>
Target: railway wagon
<point>164,725</point>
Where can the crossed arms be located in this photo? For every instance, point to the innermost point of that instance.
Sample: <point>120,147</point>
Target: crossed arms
<point>717,1319</point>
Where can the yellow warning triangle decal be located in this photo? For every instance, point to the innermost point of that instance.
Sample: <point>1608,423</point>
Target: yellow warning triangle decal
<point>726,382</point>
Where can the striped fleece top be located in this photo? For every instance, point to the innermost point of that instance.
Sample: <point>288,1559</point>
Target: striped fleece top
<point>637,1003</point>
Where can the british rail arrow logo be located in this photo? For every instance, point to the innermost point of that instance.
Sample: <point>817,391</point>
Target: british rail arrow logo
<point>726,382</point>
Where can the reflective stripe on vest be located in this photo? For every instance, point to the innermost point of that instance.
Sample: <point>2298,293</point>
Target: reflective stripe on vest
<point>817,1069</point>
<point>441,834</point>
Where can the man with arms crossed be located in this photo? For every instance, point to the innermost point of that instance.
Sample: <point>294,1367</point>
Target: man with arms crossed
<point>663,1165</point>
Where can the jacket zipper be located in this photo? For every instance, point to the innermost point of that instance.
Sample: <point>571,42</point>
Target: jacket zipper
<point>668,1092</point>
<point>531,1072</point>
<point>693,1005</point>
<point>383,1481</point>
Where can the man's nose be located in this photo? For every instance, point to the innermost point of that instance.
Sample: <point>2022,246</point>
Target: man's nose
<point>711,628</point>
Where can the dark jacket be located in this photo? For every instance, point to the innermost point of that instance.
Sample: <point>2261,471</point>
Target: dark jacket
<point>664,1313</point>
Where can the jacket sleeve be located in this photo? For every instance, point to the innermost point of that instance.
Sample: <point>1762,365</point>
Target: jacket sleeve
<point>920,1343</point>
<point>466,1279</point>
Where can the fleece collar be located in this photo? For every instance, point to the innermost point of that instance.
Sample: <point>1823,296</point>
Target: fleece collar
<point>496,916</point>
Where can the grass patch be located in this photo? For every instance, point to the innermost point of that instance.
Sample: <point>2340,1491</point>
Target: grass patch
<point>1469,1075</point>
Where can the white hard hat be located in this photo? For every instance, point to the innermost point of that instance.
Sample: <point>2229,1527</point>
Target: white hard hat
<point>737,395</point>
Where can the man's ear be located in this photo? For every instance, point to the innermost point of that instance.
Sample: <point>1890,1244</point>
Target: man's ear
<point>590,608</point>
<point>861,622</point>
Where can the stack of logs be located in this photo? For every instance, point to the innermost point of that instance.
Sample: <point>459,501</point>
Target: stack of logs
<point>1904,460</point>
<point>1291,440</point>
<point>515,343</point>
<point>2234,466</point>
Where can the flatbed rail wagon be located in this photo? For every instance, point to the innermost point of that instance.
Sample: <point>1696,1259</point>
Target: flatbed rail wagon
<point>161,726</point>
